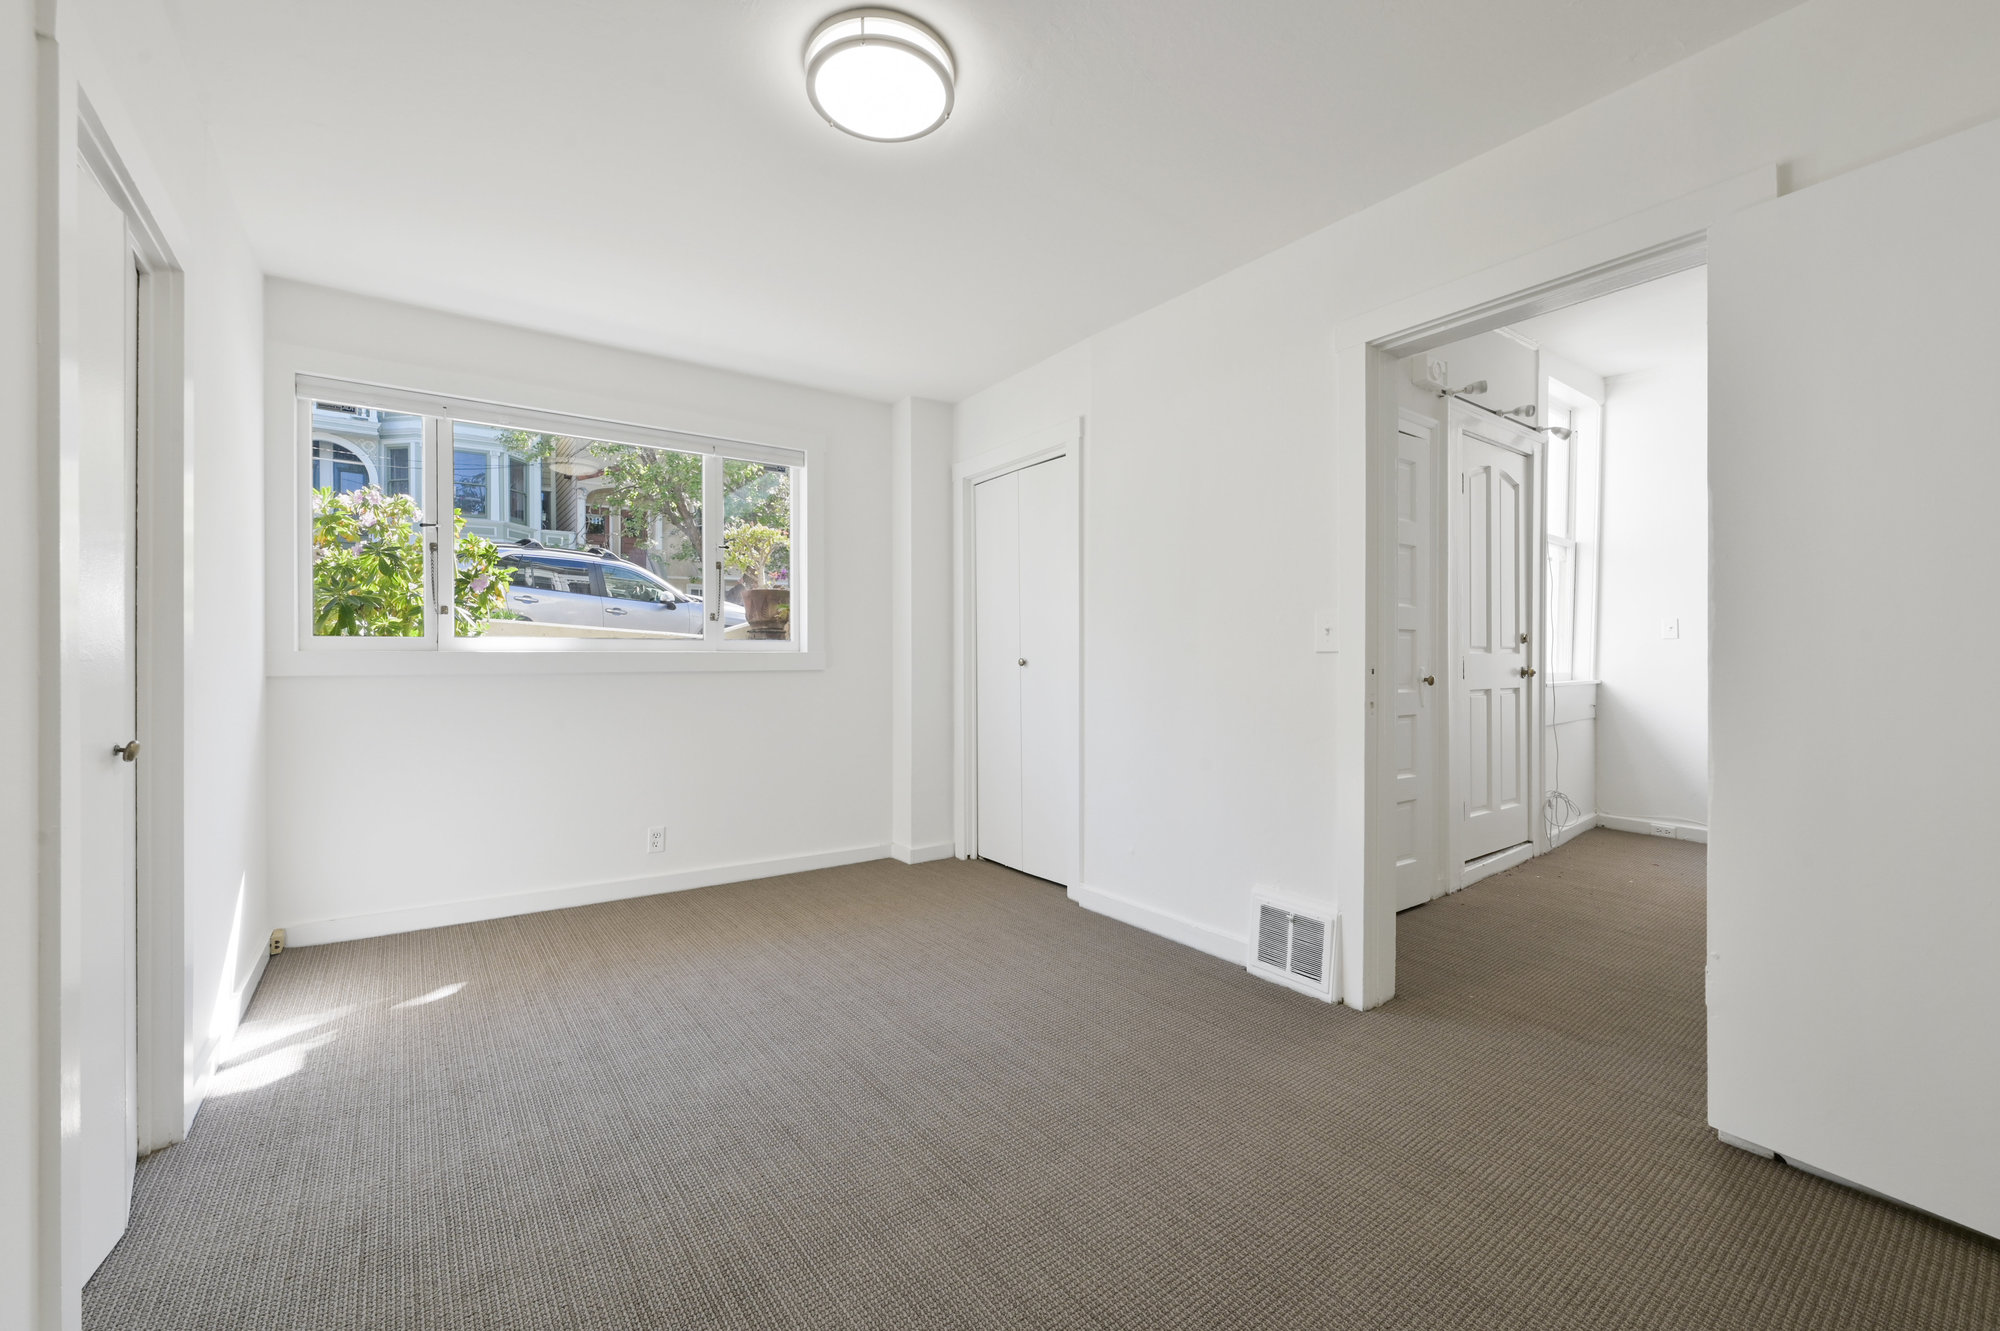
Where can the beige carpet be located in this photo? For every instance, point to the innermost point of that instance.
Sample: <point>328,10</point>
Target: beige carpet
<point>893,1097</point>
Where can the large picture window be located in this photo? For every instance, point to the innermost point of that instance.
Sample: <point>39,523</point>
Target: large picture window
<point>562,534</point>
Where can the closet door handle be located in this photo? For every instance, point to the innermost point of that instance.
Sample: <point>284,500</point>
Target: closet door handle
<point>1022,661</point>
<point>1430,679</point>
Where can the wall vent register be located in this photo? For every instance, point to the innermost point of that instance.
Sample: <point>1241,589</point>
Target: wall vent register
<point>1296,946</point>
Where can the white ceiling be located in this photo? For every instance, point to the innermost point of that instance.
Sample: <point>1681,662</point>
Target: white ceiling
<point>647,173</point>
<point>1664,322</point>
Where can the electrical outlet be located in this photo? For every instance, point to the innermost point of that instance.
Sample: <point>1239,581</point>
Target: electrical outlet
<point>656,840</point>
<point>1663,829</point>
<point>277,941</point>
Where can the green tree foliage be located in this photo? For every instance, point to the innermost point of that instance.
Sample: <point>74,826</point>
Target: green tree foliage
<point>368,568</point>
<point>757,518</point>
<point>649,483</point>
<point>749,549</point>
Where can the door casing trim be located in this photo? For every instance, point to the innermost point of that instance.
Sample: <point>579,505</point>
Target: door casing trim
<point>1668,238</point>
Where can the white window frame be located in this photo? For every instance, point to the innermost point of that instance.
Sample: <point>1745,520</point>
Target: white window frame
<point>1585,487</point>
<point>439,651</point>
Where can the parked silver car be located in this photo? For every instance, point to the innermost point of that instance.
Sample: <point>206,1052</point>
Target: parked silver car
<point>600,591</point>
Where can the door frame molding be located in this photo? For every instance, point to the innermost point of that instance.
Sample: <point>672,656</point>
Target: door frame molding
<point>163,1038</point>
<point>1657,242</point>
<point>1045,445</point>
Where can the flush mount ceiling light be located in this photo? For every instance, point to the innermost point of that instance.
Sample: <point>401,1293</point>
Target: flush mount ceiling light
<point>880,75</point>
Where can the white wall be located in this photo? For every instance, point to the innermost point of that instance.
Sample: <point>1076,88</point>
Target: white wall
<point>406,801</point>
<point>1652,727</point>
<point>1853,919</point>
<point>1219,515</point>
<point>23,1080</point>
<point>920,780</point>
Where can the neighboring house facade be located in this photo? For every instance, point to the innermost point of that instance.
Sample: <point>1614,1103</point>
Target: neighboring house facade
<point>504,497</point>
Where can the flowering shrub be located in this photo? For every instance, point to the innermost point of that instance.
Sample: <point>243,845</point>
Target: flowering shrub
<point>368,568</point>
<point>481,585</point>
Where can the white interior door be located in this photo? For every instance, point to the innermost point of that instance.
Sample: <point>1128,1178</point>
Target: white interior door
<point>1492,564</point>
<point>1413,696</point>
<point>1049,634</point>
<point>1854,935</point>
<point>106,643</point>
<point>996,530</point>
<point>1026,629</point>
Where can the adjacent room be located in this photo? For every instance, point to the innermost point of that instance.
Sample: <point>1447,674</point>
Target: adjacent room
<point>1052,665</point>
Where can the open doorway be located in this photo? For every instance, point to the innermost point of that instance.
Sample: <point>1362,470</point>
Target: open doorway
<point>1545,581</point>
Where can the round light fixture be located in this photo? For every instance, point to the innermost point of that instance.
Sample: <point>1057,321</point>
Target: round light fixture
<point>880,75</point>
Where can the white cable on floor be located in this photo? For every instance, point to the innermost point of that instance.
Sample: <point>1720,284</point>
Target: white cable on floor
<point>1559,811</point>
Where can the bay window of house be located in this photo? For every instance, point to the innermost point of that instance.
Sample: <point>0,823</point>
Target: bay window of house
<point>562,534</point>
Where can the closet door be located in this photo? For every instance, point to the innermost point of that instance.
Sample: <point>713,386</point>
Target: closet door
<point>1026,625</point>
<point>1049,678</point>
<point>996,534</point>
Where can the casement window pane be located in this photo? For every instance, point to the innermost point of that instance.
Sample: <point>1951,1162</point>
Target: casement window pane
<point>368,572</point>
<point>757,550</point>
<point>594,539</point>
<point>1562,473</point>
<point>1562,610</point>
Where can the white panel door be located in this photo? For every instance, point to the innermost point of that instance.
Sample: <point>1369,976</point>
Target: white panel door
<point>1492,557</point>
<point>996,535</point>
<point>1854,931</point>
<point>1413,696</point>
<point>1049,694</point>
<point>107,492</point>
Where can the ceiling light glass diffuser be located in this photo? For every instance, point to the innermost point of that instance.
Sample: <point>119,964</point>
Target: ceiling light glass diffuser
<point>880,75</point>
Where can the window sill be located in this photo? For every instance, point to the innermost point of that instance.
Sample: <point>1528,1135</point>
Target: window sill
<point>341,663</point>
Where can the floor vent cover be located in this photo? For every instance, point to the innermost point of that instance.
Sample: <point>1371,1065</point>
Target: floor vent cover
<point>1297,946</point>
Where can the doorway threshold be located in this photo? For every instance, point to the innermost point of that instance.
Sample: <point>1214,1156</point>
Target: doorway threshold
<point>1487,865</point>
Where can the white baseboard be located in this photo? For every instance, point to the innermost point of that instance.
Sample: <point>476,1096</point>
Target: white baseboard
<point>307,933</point>
<point>1574,830</point>
<point>201,1070</point>
<point>1644,826</point>
<point>936,850</point>
<point>1230,947</point>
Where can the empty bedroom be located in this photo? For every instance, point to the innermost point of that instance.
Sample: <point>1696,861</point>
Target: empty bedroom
<point>1062,665</point>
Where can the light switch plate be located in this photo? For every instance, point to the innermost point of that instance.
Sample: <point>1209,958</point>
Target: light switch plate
<point>1670,628</point>
<point>1326,631</point>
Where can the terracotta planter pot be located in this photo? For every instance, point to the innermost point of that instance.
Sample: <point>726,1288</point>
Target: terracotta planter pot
<point>768,612</point>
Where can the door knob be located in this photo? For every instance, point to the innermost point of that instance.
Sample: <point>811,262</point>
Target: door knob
<point>1430,679</point>
<point>129,752</point>
<point>1022,661</point>
<point>1527,672</point>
